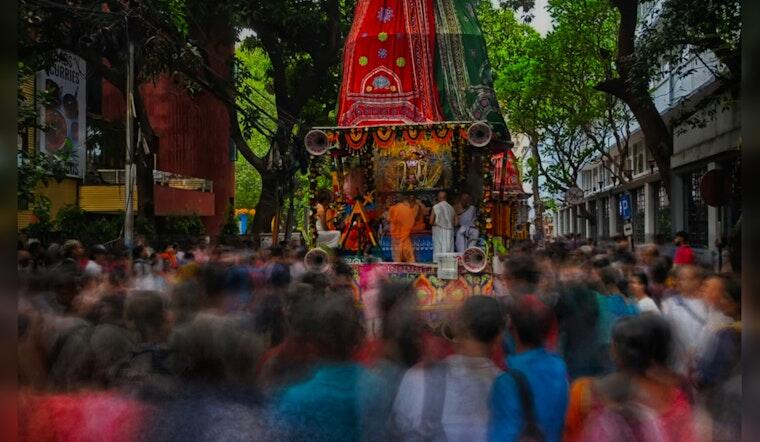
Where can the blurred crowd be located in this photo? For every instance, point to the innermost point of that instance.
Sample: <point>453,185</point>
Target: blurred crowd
<point>578,342</point>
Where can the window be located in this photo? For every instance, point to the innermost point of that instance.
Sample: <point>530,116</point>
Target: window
<point>638,153</point>
<point>733,210</point>
<point>594,233</point>
<point>639,214</point>
<point>586,180</point>
<point>605,203</point>
<point>619,221</point>
<point>595,178</point>
<point>662,225</point>
<point>695,208</point>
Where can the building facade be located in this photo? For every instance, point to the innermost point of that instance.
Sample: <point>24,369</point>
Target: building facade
<point>193,168</point>
<point>710,139</point>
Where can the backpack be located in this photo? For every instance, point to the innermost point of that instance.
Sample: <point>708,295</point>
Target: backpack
<point>531,432</point>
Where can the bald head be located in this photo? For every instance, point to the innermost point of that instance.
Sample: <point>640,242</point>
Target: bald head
<point>441,196</point>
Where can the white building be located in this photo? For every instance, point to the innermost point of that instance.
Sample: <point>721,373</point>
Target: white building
<point>715,145</point>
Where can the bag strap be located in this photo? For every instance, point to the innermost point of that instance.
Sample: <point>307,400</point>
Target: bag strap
<point>531,427</point>
<point>526,396</point>
<point>679,300</point>
<point>435,395</point>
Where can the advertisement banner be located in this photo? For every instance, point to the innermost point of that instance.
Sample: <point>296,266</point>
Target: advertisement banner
<point>65,117</point>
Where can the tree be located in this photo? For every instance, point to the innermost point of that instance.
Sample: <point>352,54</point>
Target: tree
<point>305,78</point>
<point>32,167</point>
<point>546,87</point>
<point>682,28</point>
<point>182,38</point>
<point>99,32</point>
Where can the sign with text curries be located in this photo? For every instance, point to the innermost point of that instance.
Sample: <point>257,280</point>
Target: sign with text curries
<point>64,116</point>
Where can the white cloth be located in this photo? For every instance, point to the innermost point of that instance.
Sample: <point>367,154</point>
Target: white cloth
<point>716,321</point>
<point>465,407</point>
<point>328,238</point>
<point>443,230</point>
<point>646,304</point>
<point>688,317</point>
<point>93,268</point>
<point>467,235</point>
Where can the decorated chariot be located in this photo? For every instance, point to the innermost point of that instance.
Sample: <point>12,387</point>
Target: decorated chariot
<point>417,115</point>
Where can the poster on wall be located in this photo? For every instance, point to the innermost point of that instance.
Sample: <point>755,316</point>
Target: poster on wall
<point>65,116</point>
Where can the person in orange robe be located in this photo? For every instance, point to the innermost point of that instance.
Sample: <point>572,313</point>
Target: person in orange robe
<point>421,213</point>
<point>402,220</point>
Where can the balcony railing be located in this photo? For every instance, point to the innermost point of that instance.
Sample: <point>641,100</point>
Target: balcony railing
<point>169,179</point>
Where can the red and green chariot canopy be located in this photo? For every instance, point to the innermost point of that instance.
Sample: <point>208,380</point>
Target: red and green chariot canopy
<point>417,61</point>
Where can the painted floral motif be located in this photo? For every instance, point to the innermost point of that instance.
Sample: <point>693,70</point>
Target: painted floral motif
<point>382,53</point>
<point>363,61</point>
<point>382,36</point>
<point>401,62</point>
<point>384,15</point>
<point>381,82</point>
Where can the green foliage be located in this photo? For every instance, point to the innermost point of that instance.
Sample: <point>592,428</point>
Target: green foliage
<point>230,229</point>
<point>550,204</point>
<point>690,28</point>
<point>247,185</point>
<point>546,85</point>
<point>183,226</point>
<point>44,225</point>
<point>71,222</point>
<point>33,168</point>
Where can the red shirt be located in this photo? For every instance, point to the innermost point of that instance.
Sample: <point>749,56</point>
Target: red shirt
<point>684,255</point>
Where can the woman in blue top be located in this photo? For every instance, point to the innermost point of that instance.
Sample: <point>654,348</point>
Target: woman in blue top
<point>337,402</point>
<point>545,373</point>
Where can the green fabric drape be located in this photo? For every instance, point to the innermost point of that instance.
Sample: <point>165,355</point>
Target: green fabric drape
<point>463,73</point>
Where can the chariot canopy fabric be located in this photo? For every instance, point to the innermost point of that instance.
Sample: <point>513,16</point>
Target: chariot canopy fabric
<point>417,61</point>
<point>463,73</point>
<point>389,65</point>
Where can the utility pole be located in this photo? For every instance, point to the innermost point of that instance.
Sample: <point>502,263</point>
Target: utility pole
<point>129,164</point>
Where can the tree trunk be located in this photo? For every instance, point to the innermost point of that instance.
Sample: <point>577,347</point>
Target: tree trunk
<point>265,209</point>
<point>634,92</point>
<point>291,214</point>
<point>538,207</point>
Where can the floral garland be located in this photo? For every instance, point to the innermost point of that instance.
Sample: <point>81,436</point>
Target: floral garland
<point>485,218</point>
<point>356,138</point>
<point>413,136</point>
<point>442,134</point>
<point>384,136</point>
<point>313,177</point>
<point>456,159</point>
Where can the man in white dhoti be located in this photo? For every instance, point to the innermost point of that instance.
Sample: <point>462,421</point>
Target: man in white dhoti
<point>325,236</point>
<point>443,219</point>
<point>467,234</point>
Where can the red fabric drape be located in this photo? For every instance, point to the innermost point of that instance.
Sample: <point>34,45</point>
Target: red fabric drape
<point>389,65</point>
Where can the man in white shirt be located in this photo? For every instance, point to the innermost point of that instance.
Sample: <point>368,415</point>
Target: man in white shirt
<point>443,219</point>
<point>688,314</point>
<point>467,234</point>
<point>95,266</point>
<point>449,400</point>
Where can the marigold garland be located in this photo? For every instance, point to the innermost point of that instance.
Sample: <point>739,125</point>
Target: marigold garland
<point>384,136</point>
<point>442,134</point>
<point>413,136</point>
<point>356,138</point>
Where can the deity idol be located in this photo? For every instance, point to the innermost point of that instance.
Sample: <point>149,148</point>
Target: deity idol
<point>413,169</point>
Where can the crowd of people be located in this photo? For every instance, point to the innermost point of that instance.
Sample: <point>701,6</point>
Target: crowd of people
<point>577,342</point>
